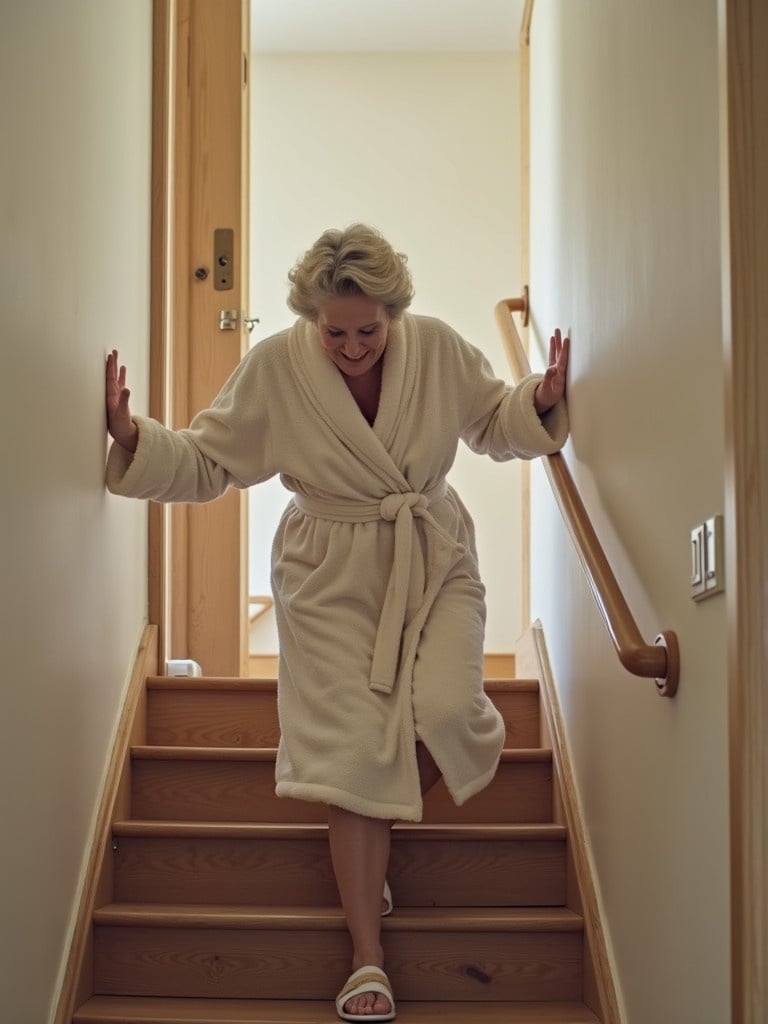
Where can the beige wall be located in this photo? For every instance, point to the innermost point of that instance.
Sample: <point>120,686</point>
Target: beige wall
<point>74,208</point>
<point>424,146</point>
<point>625,254</point>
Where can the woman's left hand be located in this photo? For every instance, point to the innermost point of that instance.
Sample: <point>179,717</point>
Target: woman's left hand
<point>552,388</point>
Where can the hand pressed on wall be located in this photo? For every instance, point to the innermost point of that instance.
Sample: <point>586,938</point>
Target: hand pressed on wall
<point>552,388</point>
<point>119,420</point>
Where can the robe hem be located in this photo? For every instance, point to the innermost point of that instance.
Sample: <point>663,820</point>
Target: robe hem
<point>316,793</point>
<point>461,795</point>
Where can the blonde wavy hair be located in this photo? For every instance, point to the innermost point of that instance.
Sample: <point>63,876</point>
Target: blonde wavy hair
<point>355,261</point>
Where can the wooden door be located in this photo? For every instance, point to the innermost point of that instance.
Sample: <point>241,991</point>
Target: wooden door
<point>198,553</point>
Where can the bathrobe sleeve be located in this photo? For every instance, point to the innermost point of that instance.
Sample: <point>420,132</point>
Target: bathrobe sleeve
<point>501,420</point>
<point>226,445</point>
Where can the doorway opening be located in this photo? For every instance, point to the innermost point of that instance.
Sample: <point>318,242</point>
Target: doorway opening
<point>425,147</point>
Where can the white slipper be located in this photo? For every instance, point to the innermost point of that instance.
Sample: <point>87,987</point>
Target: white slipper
<point>366,979</point>
<point>387,900</point>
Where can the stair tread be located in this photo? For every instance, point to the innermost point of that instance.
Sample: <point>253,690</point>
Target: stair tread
<point>312,830</point>
<point>197,915</point>
<point>224,684</point>
<point>158,752</point>
<point>155,1010</point>
<point>213,684</point>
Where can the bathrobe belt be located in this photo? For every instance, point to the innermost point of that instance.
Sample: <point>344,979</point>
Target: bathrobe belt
<point>443,551</point>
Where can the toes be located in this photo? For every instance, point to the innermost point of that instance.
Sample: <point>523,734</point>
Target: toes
<point>369,1002</point>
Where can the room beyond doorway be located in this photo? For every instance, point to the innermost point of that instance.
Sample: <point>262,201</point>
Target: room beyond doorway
<point>414,148</point>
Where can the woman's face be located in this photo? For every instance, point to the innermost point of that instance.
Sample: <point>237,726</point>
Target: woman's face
<point>353,331</point>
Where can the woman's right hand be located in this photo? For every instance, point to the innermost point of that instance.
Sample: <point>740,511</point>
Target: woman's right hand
<point>119,421</point>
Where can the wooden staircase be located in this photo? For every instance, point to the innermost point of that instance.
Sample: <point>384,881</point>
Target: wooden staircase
<point>224,907</point>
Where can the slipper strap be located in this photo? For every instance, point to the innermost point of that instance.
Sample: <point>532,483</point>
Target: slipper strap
<point>360,983</point>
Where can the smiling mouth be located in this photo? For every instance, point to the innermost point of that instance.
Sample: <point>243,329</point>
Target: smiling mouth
<point>355,359</point>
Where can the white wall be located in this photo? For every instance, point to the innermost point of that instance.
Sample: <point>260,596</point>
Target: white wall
<point>425,147</point>
<point>625,253</point>
<point>74,281</point>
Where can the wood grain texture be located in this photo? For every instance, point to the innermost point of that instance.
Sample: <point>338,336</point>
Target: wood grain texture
<point>243,713</point>
<point>208,718</point>
<point>209,592</point>
<point>480,872</point>
<point>177,785</point>
<point>436,956</point>
<point>246,910</point>
<point>743,28</point>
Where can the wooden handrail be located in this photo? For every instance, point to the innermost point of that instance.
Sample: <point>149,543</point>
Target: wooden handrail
<point>659,661</point>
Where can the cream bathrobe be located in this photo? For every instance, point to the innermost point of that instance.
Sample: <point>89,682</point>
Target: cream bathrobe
<point>379,603</point>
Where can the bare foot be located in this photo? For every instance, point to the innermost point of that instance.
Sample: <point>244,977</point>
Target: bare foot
<point>368,1002</point>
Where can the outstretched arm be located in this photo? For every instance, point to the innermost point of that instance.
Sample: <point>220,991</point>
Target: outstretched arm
<point>552,388</point>
<point>119,420</point>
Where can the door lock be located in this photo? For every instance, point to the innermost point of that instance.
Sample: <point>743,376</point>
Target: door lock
<point>223,259</point>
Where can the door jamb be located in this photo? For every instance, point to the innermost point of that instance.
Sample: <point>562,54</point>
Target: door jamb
<point>164,48</point>
<point>743,34</point>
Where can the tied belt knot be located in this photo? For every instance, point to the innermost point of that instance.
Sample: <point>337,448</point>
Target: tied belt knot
<point>394,504</point>
<point>442,551</point>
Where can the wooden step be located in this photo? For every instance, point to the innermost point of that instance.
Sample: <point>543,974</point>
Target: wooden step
<point>229,712</point>
<point>466,865</point>
<point>226,784</point>
<point>139,1010</point>
<point>211,712</point>
<point>304,953</point>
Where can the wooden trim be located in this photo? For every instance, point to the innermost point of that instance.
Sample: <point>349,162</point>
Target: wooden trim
<point>525,28</point>
<point>499,666</point>
<point>599,989</point>
<point>208,600</point>
<point>495,666</point>
<point>177,363</point>
<point>659,661</point>
<point>525,270</point>
<point>743,28</point>
<point>114,805</point>
<point>265,602</point>
<point>163,61</point>
<point>262,666</point>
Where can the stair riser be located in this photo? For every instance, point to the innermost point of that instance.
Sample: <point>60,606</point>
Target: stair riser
<point>223,719</point>
<point>177,790</point>
<point>312,965</point>
<point>298,872</point>
<point>237,719</point>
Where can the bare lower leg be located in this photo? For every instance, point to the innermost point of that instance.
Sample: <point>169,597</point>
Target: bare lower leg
<point>429,773</point>
<point>360,854</point>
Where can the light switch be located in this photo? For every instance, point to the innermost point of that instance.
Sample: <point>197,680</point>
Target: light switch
<point>707,559</point>
<point>698,555</point>
<point>714,562</point>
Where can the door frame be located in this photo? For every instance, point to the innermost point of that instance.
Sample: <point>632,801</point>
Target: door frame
<point>743,37</point>
<point>198,553</point>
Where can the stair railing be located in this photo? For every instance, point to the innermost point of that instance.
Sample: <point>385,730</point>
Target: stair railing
<point>660,660</point>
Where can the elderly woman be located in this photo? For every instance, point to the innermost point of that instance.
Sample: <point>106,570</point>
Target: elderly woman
<point>380,608</point>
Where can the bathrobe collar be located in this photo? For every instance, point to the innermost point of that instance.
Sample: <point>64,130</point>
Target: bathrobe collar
<point>325,387</point>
